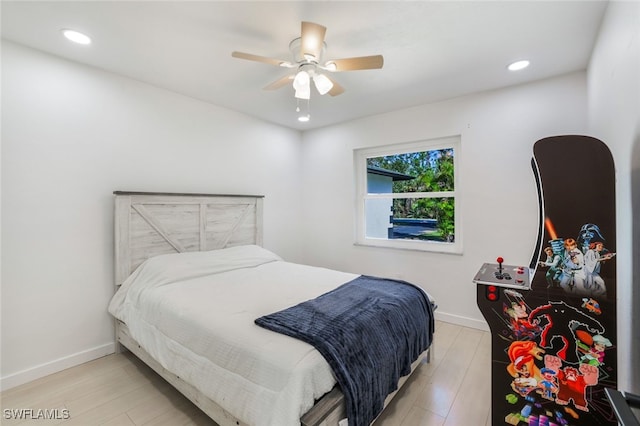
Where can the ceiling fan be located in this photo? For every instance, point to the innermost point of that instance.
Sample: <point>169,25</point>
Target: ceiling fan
<point>307,51</point>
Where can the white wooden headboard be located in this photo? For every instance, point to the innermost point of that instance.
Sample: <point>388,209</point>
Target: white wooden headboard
<point>148,224</point>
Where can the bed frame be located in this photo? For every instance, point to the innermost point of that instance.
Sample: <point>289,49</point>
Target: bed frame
<point>149,224</point>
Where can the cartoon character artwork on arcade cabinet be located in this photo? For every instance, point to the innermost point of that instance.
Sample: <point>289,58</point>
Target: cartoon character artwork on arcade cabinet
<point>554,337</point>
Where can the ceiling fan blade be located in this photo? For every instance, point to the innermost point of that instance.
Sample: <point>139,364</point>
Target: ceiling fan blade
<point>312,39</point>
<point>336,89</point>
<point>264,59</point>
<point>279,83</point>
<point>352,64</point>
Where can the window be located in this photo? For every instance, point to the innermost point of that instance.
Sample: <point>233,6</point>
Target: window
<point>407,196</point>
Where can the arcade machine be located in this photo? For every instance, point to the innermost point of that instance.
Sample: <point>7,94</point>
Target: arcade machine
<point>553,321</point>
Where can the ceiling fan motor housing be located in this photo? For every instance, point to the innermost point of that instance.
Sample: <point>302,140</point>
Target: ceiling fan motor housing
<point>299,57</point>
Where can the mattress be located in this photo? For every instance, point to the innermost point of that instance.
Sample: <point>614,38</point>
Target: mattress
<point>194,313</point>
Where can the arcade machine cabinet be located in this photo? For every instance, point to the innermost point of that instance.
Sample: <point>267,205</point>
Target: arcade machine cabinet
<point>553,322</point>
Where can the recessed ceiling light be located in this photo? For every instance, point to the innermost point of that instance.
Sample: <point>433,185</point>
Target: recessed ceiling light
<point>518,65</point>
<point>76,36</point>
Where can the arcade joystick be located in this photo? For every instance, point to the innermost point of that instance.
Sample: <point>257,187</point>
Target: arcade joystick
<point>500,275</point>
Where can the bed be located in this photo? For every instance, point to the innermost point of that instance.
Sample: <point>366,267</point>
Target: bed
<point>191,280</point>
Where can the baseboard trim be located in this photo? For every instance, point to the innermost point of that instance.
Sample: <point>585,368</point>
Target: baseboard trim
<point>42,370</point>
<point>460,320</point>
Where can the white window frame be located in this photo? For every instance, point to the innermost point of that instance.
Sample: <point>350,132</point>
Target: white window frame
<point>360,166</point>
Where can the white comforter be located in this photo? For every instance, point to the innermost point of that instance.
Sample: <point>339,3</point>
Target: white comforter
<point>195,312</point>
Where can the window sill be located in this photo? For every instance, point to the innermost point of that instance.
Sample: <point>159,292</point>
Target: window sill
<point>425,246</point>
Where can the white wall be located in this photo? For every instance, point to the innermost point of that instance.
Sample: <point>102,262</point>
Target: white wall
<point>71,135</point>
<point>614,117</point>
<point>499,198</point>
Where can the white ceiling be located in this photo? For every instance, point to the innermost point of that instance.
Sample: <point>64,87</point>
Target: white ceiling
<point>433,50</point>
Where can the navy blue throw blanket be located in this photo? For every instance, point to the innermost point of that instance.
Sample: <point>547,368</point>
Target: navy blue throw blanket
<point>369,330</point>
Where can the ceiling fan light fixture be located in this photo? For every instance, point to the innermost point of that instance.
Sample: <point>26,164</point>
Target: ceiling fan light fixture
<point>301,80</point>
<point>304,118</point>
<point>301,84</point>
<point>322,83</point>
<point>304,93</point>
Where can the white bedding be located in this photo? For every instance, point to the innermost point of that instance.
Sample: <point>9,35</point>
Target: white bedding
<point>194,313</point>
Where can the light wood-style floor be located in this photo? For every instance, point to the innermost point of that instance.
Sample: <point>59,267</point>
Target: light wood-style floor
<point>452,390</point>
